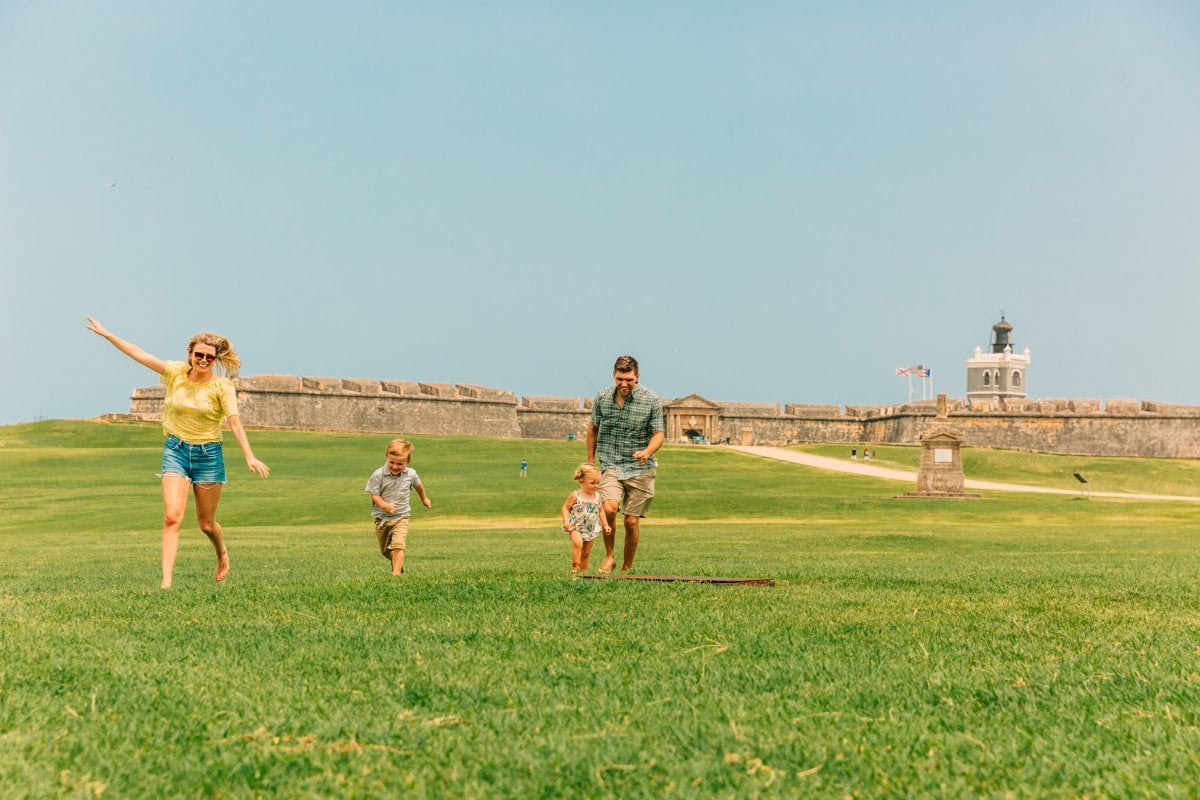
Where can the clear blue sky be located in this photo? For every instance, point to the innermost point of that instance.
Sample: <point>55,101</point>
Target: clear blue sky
<point>775,202</point>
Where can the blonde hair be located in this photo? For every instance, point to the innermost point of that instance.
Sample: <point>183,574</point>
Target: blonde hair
<point>227,357</point>
<point>399,447</point>
<point>583,471</point>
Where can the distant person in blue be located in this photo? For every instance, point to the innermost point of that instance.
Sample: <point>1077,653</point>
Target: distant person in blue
<point>524,467</point>
<point>625,430</point>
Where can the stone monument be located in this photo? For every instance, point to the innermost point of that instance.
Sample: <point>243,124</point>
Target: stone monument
<point>941,472</point>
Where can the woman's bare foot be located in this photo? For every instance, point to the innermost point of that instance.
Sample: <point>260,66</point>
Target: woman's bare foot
<point>222,565</point>
<point>607,566</point>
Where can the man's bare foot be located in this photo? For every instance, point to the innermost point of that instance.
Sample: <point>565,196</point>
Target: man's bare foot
<point>222,565</point>
<point>607,566</point>
<point>165,585</point>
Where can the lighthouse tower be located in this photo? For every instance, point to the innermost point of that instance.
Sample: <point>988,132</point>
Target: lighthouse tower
<point>1000,373</point>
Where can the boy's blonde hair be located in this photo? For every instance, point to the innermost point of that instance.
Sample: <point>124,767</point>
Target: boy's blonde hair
<point>584,469</point>
<point>399,447</point>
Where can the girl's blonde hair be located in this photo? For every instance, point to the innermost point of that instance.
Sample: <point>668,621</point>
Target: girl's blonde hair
<point>227,357</point>
<point>584,469</point>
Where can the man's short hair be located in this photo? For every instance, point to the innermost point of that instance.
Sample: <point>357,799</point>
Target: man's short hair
<point>626,364</point>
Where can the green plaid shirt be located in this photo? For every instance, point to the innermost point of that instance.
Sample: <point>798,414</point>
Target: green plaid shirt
<point>622,430</point>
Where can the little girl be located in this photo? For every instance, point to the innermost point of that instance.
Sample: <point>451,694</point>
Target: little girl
<point>581,516</point>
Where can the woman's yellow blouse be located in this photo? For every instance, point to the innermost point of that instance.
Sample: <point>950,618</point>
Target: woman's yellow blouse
<point>194,411</point>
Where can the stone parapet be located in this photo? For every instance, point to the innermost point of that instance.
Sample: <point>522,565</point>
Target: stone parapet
<point>326,385</point>
<point>749,409</point>
<point>147,402</point>
<point>361,387</point>
<point>552,403</point>
<point>402,388</point>
<point>1018,405</point>
<point>439,389</point>
<point>1083,427</point>
<point>1127,408</point>
<point>812,411</point>
<point>473,392</point>
<point>269,383</point>
<point>1170,409</point>
<point>863,412</point>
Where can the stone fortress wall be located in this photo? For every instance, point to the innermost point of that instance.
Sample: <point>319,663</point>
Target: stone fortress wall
<point>1080,427</point>
<point>392,407</point>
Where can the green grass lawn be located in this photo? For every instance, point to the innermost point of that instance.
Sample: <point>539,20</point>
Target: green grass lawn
<point>1015,646</point>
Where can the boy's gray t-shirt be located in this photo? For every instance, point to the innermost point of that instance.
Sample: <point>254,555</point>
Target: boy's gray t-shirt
<point>393,488</point>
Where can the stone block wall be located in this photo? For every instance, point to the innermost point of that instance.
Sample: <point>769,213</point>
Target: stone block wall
<point>1077,427</point>
<point>271,401</point>
<point>1083,427</point>
<point>749,410</point>
<point>554,417</point>
<point>812,411</point>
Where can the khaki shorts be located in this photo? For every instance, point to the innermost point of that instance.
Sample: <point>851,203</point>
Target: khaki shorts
<point>392,534</point>
<point>634,494</point>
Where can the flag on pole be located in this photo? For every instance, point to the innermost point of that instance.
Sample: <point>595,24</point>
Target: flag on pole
<point>901,370</point>
<point>925,373</point>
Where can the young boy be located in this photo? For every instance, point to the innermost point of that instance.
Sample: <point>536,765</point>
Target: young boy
<point>389,488</point>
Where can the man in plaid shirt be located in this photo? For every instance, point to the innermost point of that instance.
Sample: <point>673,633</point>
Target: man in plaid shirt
<point>625,430</point>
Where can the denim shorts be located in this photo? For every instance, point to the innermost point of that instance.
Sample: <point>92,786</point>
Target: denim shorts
<point>199,463</point>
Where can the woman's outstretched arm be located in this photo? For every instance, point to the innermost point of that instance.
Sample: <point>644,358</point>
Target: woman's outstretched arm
<point>128,348</point>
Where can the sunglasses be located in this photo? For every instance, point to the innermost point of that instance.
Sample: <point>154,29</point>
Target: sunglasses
<point>206,356</point>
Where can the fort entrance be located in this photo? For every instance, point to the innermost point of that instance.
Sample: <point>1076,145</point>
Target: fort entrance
<point>692,419</point>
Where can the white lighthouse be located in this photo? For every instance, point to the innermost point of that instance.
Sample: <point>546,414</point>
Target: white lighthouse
<point>1000,373</point>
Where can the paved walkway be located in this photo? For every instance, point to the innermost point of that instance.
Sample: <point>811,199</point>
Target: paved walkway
<point>910,476</point>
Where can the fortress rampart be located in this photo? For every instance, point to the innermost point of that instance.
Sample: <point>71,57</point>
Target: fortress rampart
<point>1081,427</point>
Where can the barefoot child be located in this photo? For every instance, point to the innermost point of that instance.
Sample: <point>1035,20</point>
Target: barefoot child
<point>581,516</point>
<point>389,487</point>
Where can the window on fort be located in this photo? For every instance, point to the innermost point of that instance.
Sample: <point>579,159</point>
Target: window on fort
<point>1016,379</point>
<point>987,378</point>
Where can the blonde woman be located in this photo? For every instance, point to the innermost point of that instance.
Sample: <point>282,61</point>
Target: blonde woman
<point>197,401</point>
